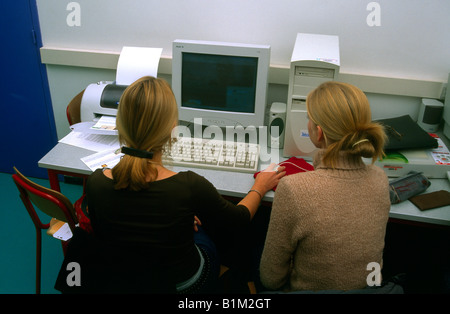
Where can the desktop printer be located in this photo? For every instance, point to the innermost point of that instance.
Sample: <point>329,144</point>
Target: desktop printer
<point>100,99</point>
<point>315,59</point>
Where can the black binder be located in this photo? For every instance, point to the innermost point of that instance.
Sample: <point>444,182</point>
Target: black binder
<point>404,133</point>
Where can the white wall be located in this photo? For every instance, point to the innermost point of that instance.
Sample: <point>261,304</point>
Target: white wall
<point>412,42</point>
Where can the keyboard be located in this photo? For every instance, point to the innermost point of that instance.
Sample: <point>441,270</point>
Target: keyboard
<point>213,154</point>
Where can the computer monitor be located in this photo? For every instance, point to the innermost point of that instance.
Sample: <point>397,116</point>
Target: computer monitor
<point>223,84</point>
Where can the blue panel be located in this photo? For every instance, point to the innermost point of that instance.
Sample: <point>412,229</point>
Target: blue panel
<point>26,122</point>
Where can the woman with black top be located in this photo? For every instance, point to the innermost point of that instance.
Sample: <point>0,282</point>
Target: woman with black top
<point>142,206</point>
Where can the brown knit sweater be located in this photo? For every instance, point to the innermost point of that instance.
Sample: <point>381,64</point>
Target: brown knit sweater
<point>326,226</point>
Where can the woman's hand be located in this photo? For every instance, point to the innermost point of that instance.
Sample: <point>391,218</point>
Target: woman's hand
<point>197,223</point>
<point>267,179</point>
<point>264,181</point>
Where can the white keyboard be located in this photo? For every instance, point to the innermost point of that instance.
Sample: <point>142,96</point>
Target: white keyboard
<point>213,154</point>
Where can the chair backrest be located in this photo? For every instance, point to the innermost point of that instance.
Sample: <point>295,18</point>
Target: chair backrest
<point>50,202</point>
<point>73,110</point>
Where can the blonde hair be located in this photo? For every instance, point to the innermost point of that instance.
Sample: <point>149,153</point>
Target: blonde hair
<point>343,112</point>
<point>146,115</point>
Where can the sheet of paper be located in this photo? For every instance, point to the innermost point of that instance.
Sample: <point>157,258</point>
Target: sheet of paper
<point>88,127</point>
<point>441,154</point>
<point>92,141</point>
<point>105,159</point>
<point>106,124</point>
<point>136,62</point>
<point>64,233</point>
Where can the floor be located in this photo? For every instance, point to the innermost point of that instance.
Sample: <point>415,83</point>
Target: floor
<point>422,253</point>
<point>18,242</point>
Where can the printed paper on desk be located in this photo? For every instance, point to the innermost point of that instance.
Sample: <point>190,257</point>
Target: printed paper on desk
<point>91,141</point>
<point>136,62</point>
<point>101,160</point>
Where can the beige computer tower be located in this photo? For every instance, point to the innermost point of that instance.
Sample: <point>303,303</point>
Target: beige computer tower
<point>315,59</point>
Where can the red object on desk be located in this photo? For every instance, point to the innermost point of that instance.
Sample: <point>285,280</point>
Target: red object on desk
<point>293,165</point>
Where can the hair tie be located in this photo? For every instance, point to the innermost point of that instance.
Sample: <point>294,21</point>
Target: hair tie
<point>359,142</point>
<point>137,152</point>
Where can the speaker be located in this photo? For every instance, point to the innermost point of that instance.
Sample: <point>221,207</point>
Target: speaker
<point>277,125</point>
<point>430,114</point>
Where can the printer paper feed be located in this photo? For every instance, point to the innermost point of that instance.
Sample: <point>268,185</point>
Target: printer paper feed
<point>106,124</point>
<point>136,62</point>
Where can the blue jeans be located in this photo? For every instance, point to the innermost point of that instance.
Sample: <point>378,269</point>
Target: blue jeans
<point>208,248</point>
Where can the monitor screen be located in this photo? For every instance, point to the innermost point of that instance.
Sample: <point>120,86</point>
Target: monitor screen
<point>219,82</point>
<point>223,84</point>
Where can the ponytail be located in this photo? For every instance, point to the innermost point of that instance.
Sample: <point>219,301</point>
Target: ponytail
<point>132,173</point>
<point>368,142</point>
<point>146,115</point>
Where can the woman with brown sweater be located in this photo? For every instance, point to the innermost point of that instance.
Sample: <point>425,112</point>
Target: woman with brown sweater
<point>327,225</point>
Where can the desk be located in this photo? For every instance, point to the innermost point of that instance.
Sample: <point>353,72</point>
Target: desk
<point>65,159</point>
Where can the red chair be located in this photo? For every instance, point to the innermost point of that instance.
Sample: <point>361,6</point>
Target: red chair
<point>50,202</point>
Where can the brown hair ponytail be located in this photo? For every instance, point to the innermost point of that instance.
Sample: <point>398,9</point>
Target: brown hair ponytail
<point>146,115</point>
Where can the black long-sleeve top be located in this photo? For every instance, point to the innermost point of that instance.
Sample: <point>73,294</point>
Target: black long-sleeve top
<point>160,219</point>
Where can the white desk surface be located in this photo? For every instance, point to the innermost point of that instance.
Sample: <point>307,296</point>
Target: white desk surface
<point>64,157</point>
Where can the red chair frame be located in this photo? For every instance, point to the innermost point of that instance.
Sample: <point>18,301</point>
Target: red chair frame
<point>28,188</point>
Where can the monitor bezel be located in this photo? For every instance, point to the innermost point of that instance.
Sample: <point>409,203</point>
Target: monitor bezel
<point>211,117</point>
